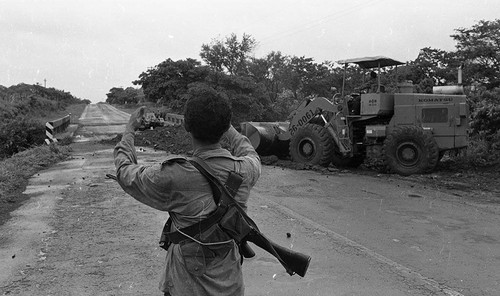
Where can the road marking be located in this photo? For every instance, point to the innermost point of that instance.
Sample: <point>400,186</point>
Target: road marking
<point>405,271</point>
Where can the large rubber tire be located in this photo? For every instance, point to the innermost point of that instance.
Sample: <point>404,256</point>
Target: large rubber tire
<point>409,150</point>
<point>312,144</point>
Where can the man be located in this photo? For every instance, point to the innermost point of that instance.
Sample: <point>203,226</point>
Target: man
<point>372,85</point>
<point>209,263</point>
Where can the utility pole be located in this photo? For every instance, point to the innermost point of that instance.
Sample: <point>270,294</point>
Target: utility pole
<point>45,83</point>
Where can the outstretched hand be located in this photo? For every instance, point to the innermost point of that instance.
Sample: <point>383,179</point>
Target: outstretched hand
<point>135,119</point>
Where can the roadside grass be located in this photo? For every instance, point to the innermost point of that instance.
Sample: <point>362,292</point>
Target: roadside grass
<point>16,171</point>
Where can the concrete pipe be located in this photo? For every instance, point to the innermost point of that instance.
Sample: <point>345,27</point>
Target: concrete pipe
<point>264,137</point>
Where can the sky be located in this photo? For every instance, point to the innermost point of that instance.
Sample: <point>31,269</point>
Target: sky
<point>88,47</point>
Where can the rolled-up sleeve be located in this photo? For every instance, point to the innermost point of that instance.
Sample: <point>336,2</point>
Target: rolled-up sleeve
<point>241,147</point>
<point>124,152</point>
<point>136,179</point>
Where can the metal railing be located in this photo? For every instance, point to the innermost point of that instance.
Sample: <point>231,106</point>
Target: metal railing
<point>174,118</point>
<point>54,127</point>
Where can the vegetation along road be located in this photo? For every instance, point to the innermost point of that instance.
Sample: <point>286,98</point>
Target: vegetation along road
<point>80,234</point>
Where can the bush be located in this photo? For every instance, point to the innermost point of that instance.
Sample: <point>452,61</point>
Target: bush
<point>19,134</point>
<point>480,153</point>
<point>484,145</point>
<point>486,122</point>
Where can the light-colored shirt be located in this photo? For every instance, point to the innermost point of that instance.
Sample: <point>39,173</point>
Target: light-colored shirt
<point>179,188</point>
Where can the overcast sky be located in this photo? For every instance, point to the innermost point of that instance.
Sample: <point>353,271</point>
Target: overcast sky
<point>88,47</point>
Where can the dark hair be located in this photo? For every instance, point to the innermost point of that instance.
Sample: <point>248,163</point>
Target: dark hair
<point>207,114</point>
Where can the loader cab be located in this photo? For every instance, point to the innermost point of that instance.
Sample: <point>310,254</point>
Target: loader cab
<point>372,100</point>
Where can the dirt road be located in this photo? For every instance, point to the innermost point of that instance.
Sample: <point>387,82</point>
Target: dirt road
<point>79,234</point>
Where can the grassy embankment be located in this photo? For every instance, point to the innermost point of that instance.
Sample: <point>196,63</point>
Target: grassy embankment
<point>15,171</point>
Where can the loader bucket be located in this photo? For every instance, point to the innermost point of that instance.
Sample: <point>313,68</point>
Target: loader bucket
<point>268,138</point>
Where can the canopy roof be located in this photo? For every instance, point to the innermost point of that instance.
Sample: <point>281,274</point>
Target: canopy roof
<point>372,62</point>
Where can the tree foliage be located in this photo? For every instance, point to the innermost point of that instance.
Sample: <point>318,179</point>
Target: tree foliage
<point>248,98</point>
<point>309,78</point>
<point>118,95</point>
<point>433,67</point>
<point>229,55</point>
<point>272,72</point>
<point>33,100</point>
<point>168,82</point>
<point>259,89</point>
<point>289,79</point>
<point>479,48</point>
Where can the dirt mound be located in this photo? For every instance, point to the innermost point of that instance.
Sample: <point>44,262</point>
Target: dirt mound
<point>173,139</point>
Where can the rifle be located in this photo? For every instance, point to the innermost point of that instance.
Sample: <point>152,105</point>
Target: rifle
<point>242,228</point>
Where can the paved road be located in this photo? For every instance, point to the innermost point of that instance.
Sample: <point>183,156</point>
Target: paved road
<point>414,233</point>
<point>99,121</point>
<point>81,235</point>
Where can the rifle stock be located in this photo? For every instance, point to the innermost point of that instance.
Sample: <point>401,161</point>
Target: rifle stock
<point>297,261</point>
<point>293,262</point>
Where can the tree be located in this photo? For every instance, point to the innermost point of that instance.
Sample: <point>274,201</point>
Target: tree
<point>230,64</point>
<point>479,48</point>
<point>433,67</point>
<point>248,98</point>
<point>168,82</point>
<point>271,71</point>
<point>289,79</point>
<point>229,55</point>
<point>307,78</point>
<point>118,95</point>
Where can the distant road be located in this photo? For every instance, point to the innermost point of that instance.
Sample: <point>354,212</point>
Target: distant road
<point>100,121</point>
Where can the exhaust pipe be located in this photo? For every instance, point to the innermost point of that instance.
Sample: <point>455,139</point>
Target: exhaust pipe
<point>451,89</point>
<point>460,74</point>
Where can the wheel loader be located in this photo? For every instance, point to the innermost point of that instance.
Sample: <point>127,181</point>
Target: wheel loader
<point>411,131</point>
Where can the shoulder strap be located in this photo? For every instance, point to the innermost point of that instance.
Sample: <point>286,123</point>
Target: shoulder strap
<point>233,182</point>
<point>230,188</point>
<point>171,159</point>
